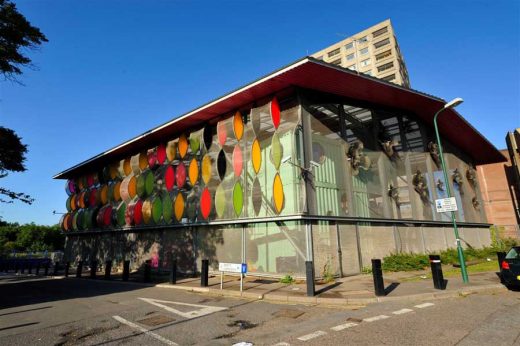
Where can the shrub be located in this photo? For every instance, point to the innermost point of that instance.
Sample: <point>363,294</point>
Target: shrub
<point>287,279</point>
<point>327,274</point>
<point>405,262</point>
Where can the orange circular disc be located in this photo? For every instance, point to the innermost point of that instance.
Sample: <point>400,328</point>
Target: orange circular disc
<point>193,171</point>
<point>238,126</point>
<point>183,146</point>
<point>256,156</point>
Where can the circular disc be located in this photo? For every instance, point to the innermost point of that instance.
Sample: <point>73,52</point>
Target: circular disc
<point>278,194</point>
<point>193,171</point>
<point>183,146</point>
<point>221,133</point>
<point>220,200</point>
<point>238,126</point>
<point>256,156</point>
<point>275,113</point>
<point>178,207</point>
<point>206,169</point>
<point>238,161</point>
<point>276,151</point>
<point>238,198</point>
<point>221,164</point>
<point>180,175</point>
<point>205,203</point>
<point>169,178</point>
<point>167,207</point>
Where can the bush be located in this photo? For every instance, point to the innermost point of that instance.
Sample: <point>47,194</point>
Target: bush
<point>405,262</point>
<point>287,279</point>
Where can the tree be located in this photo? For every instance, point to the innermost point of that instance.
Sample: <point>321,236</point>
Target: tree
<point>12,157</point>
<point>16,33</point>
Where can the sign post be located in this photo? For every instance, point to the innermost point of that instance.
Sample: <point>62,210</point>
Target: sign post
<point>232,268</point>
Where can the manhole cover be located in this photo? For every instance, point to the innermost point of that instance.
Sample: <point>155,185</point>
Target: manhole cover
<point>156,320</point>
<point>288,313</point>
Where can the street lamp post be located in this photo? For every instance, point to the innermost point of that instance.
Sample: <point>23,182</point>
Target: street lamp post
<point>453,103</point>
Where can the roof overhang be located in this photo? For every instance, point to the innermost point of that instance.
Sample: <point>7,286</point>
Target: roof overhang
<point>313,74</point>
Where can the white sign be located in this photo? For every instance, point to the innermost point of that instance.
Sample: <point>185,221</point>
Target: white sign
<point>230,267</point>
<point>446,204</point>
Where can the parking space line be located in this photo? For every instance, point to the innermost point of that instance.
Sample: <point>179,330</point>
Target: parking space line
<point>425,305</point>
<point>375,318</point>
<point>344,326</point>
<point>282,344</point>
<point>312,335</point>
<point>145,331</point>
<point>402,311</point>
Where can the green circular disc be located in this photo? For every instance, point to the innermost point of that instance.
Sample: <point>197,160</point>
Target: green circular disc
<point>67,204</point>
<point>194,142</point>
<point>276,151</point>
<point>238,198</point>
<point>157,209</point>
<point>167,207</point>
<point>148,183</point>
<point>141,192</point>
<point>220,200</point>
<point>110,194</point>
<point>121,210</point>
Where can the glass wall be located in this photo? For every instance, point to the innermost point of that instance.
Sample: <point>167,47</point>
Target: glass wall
<point>374,163</point>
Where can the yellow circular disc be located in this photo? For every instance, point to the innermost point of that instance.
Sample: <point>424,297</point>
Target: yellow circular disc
<point>238,125</point>
<point>193,171</point>
<point>178,206</point>
<point>171,150</point>
<point>143,160</point>
<point>147,211</point>
<point>183,146</point>
<point>256,156</point>
<point>206,169</point>
<point>127,168</point>
<point>278,195</point>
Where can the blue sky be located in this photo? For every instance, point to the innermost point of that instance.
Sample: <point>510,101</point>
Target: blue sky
<point>114,69</point>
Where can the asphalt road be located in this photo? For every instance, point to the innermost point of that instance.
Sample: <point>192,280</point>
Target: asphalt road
<point>94,312</point>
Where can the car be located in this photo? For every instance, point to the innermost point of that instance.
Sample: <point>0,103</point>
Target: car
<point>510,268</point>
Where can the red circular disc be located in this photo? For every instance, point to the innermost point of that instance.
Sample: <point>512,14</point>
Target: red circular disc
<point>161,153</point>
<point>138,212</point>
<point>181,175</point>
<point>238,161</point>
<point>205,203</point>
<point>107,215</point>
<point>90,180</point>
<point>169,178</point>
<point>221,133</point>
<point>275,113</point>
<point>152,158</point>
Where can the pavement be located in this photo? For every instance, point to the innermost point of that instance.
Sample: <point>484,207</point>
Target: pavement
<point>353,290</point>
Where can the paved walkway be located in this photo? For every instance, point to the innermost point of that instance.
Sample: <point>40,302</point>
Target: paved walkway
<point>354,290</point>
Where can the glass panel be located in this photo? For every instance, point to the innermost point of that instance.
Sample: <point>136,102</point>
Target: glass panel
<point>349,249</point>
<point>276,248</point>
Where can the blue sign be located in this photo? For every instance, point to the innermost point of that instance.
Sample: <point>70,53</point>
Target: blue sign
<point>244,268</point>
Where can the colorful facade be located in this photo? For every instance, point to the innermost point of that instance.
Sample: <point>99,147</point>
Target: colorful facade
<point>310,163</point>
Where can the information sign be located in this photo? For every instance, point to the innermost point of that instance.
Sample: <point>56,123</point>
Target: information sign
<point>444,205</point>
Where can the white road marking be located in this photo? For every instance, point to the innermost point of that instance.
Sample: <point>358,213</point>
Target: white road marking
<point>312,335</point>
<point>204,309</point>
<point>375,318</point>
<point>425,305</point>
<point>145,331</point>
<point>344,326</point>
<point>402,311</point>
<point>282,344</point>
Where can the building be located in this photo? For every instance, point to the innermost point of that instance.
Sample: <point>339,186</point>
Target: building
<point>373,51</point>
<point>310,164</point>
<point>500,196</point>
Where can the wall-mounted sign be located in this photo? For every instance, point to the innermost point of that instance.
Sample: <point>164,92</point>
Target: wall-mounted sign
<point>444,205</point>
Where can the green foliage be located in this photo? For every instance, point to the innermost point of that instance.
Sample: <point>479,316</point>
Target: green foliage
<point>17,35</point>
<point>409,262</point>
<point>366,270</point>
<point>327,274</point>
<point>287,279</point>
<point>30,237</point>
<point>405,262</point>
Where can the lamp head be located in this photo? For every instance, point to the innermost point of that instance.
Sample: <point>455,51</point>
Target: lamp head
<point>453,103</point>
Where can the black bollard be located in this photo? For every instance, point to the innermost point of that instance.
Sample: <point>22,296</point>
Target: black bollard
<point>173,272</point>
<point>204,273</point>
<point>47,263</point>
<point>56,268</point>
<point>309,275</point>
<point>29,267</point>
<point>93,269</point>
<point>67,268</point>
<point>79,270</point>
<point>16,266</point>
<point>126,270</point>
<point>22,266</point>
<point>38,264</point>
<point>438,278</point>
<point>147,271</point>
<point>377,272</point>
<point>108,269</point>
